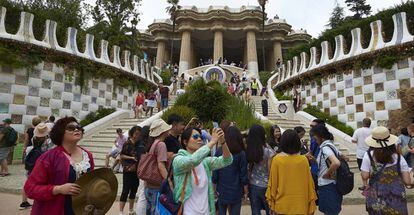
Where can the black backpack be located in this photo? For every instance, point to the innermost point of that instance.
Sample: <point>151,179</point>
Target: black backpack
<point>344,176</point>
<point>10,137</point>
<point>31,158</point>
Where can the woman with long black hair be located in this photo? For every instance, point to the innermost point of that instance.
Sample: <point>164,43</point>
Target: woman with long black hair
<point>274,137</point>
<point>259,157</point>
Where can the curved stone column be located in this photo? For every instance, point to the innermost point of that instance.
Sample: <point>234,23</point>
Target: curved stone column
<point>160,54</point>
<point>252,64</point>
<point>185,51</point>
<point>218,45</point>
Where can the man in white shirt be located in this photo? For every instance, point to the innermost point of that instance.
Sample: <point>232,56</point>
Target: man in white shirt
<point>359,138</point>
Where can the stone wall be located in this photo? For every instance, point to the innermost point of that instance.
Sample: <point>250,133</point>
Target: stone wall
<point>47,90</point>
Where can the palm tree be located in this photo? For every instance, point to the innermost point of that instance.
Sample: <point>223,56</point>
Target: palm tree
<point>262,4</point>
<point>173,11</point>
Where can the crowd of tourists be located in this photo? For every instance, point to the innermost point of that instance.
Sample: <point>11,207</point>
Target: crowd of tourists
<point>146,102</point>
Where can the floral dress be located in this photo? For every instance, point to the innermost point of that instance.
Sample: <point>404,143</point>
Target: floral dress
<point>386,193</point>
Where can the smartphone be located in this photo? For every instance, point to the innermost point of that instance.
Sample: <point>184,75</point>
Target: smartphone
<point>215,125</point>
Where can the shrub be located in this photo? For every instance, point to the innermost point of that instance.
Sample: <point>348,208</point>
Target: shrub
<point>166,76</point>
<point>333,121</point>
<point>280,96</point>
<point>241,113</point>
<point>94,116</point>
<point>185,112</point>
<point>264,77</point>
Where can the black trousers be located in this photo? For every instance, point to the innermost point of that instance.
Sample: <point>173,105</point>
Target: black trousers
<point>130,186</point>
<point>359,162</point>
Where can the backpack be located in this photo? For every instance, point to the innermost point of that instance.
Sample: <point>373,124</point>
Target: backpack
<point>344,176</point>
<point>31,158</point>
<point>10,138</point>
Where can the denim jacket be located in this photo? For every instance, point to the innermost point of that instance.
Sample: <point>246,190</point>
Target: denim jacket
<point>184,162</point>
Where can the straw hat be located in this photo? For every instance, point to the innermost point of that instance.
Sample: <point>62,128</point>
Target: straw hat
<point>98,190</point>
<point>158,127</point>
<point>41,130</point>
<point>381,138</point>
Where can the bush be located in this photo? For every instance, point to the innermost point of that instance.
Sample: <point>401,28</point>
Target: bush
<point>333,121</point>
<point>185,112</point>
<point>280,96</point>
<point>94,116</point>
<point>166,76</point>
<point>264,77</point>
<point>241,113</point>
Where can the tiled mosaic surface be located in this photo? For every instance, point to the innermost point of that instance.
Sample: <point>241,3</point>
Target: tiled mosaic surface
<point>365,93</point>
<point>46,91</point>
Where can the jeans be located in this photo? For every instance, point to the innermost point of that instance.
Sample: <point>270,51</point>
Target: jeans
<point>330,200</point>
<point>258,200</point>
<point>234,208</point>
<point>129,186</point>
<point>164,103</point>
<point>151,196</point>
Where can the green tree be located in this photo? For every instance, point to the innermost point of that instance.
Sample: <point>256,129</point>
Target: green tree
<point>337,16</point>
<point>116,21</point>
<point>359,7</point>
<point>173,11</point>
<point>262,4</point>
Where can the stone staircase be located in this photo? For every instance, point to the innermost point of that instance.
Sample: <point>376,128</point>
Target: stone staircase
<point>101,142</point>
<point>285,123</point>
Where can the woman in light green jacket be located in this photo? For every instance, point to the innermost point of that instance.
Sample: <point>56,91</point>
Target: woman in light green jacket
<point>193,168</point>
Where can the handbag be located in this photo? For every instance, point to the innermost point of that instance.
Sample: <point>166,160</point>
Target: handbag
<point>165,198</point>
<point>148,167</point>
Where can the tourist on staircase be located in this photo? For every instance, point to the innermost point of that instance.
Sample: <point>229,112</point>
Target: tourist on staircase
<point>116,149</point>
<point>255,87</point>
<point>130,156</point>
<point>290,189</point>
<point>159,130</point>
<point>193,168</point>
<point>165,92</point>
<point>330,200</point>
<point>51,183</point>
<point>139,104</point>
<point>232,181</point>
<point>274,138</point>
<point>359,138</point>
<point>259,157</point>
<point>151,103</point>
<point>384,173</point>
<point>174,82</point>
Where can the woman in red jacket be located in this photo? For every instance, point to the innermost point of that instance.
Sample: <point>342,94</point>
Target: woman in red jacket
<point>51,183</point>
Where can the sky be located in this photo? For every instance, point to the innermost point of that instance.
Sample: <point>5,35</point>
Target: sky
<point>311,15</point>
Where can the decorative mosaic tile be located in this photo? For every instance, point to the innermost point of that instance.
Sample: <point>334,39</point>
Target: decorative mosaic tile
<point>358,90</point>
<point>307,92</point>
<point>31,110</point>
<point>130,92</point>
<point>382,123</point>
<point>129,106</point>
<point>4,108</point>
<point>57,94</point>
<point>370,115</point>
<point>320,105</point>
<point>380,105</point>
<point>86,91</point>
<point>75,114</point>
<point>85,107</point>
<point>95,84</point>
<point>351,117</point>
<point>33,91</point>
<point>379,87</point>
<point>77,97</point>
<point>359,108</point>
<point>16,118</point>
<point>349,100</point>
<point>390,75</point>
<point>359,124</point>
<point>48,66</point>
<point>333,87</point>
<point>313,84</point>
<point>313,98</point>
<point>46,84</point>
<point>109,88</point>
<point>108,102</point>
<point>93,100</point>
<point>340,93</point>
<point>119,104</point>
<point>405,84</point>
<point>21,80</point>
<point>120,90</point>
<point>18,99</point>
<point>303,88</point>
<point>367,79</point>
<point>402,64</point>
<point>68,87</point>
<point>325,96</point>
<point>66,104</point>
<point>333,102</point>
<point>44,102</point>
<point>101,93</point>
<point>125,98</point>
<point>102,80</point>
<point>326,110</point>
<point>319,90</point>
<point>348,83</point>
<point>341,109</point>
<point>34,73</point>
<point>6,69</point>
<point>59,77</point>
<point>357,73</point>
<point>324,80</point>
<point>43,118</point>
<point>114,96</point>
<point>55,112</point>
<point>339,77</point>
<point>392,94</point>
<point>5,88</point>
<point>377,70</point>
<point>369,97</point>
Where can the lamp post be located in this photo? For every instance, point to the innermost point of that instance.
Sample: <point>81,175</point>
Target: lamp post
<point>263,6</point>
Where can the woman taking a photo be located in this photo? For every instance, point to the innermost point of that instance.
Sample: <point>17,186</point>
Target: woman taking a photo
<point>259,157</point>
<point>51,183</point>
<point>232,181</point>
<point>291,189</point>
<point>129,159</point>
<point>274,137</point>
<point>387,172</point>
<point>193,168</point>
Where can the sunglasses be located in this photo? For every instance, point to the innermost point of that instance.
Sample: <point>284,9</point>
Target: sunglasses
<point>72,128</point>
<point>196,136</point>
